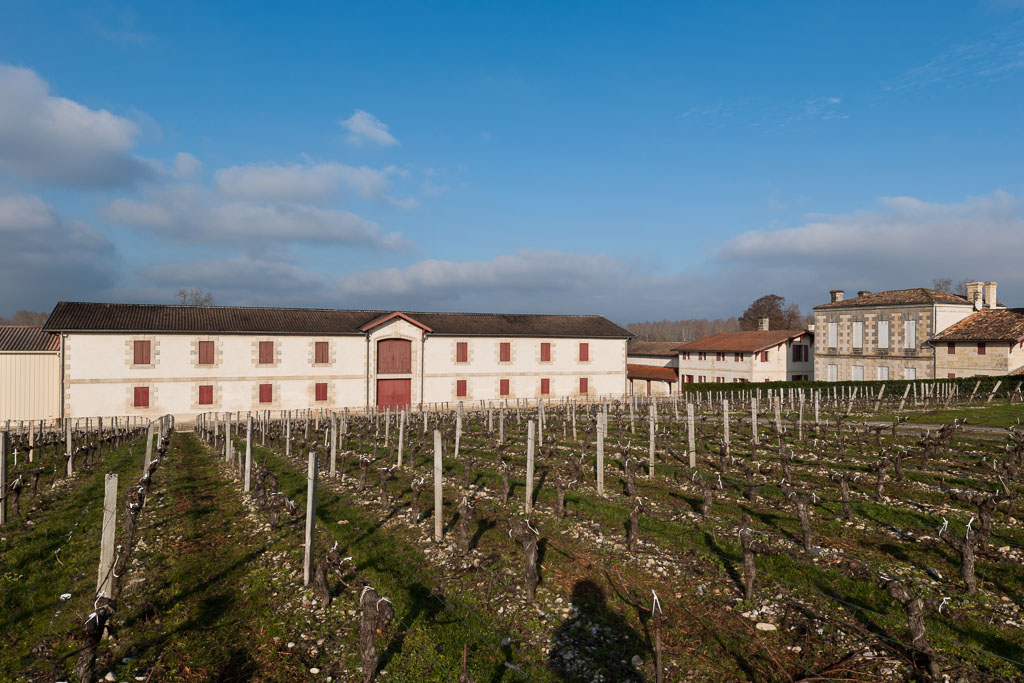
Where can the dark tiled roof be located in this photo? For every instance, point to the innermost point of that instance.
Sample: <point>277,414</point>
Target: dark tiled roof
<point>93,317</point>
<point>747,341</point>
<point>653,348</point>
<point>898,297</point>
<point>27,338</point>
<point>651,372</point>
<point>996,324</point>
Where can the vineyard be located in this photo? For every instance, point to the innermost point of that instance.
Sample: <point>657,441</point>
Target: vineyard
<point>787,534</point>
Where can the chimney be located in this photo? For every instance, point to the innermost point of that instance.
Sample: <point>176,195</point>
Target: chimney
<point>837,295</point>
<point>863,292</point>
<point>990,295</point>
<point>974,292</point>
<point>762,323</point>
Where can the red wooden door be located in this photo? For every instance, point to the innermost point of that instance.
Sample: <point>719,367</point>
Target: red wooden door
<point>393,392</point>
<point>394,356</point>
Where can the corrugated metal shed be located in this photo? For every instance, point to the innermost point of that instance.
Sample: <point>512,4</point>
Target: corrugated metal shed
<point>70,316</point>
<point>27,338</point>
<point>29,374</point>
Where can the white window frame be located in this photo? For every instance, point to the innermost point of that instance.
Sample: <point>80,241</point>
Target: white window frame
<point>858,334</point>
<point>833,372</point>
<point>910,373</point>
<point>833,335</point>
<point>910,334</point>
<point>883,373</point>
<point>883,334</point>
<point>857,373</point>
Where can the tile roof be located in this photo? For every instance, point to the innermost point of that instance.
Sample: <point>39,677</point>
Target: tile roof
<point>653,348</point>
<point>746,341</point>
<point>97,317</point>
<point>27,338</point>
<point>994,324</point>
<point>899,297</point>
<point>651,372</point>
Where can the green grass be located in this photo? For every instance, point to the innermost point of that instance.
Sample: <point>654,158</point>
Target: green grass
<point>51,550</point>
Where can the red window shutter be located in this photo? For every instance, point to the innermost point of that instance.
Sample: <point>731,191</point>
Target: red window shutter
<point>584,353</point>
<point>506,352</point>
<point>266,393</point>
<point>981,348</point>
<point>503,389</point>
<point>206,353</point>
<point>142,352</point>
<point>460,387</point>
<point>545,386</point>
<point>266,352</point>
<point>462,352</point>
<point>141,397</point>
<point>764,356</point>
<point>321,391</point>
<point>689,379</point>
<point>648,387</point>
<point>951,347</point>
<point>545,352</point>
<point>583,385</point>
<point>951,375</point>
<point>205,394</point>
<point>321,353</point>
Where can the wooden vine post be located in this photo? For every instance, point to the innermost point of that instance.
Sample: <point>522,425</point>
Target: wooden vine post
<point>530,436</point>
<point>109,526</point>
<point>601,426</point>
<point>3,476</point>
<point>438,483</point>
<point>247,477</point>
<point>307,557</point>
<point>690,436</point>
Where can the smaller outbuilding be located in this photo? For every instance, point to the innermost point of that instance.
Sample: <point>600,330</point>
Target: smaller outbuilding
<point>761,355</point>
<point>652,367</point>
<point>987,342</point>
<point>29,374</point>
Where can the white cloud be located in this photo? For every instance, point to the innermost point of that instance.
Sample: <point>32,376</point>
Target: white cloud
<point>188,214</point>
<point>303,182</point>
<point>186,166</point>
<point>905,243</point>
<point>48,256</point>
<point>364,127</point>
<point>54,139</point>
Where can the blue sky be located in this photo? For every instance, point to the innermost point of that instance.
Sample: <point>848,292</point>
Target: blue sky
<point>638,160</point>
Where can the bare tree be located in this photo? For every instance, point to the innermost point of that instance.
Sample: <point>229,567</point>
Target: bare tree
<point>943,284</point>
<point>194,296</point>
<point>772,306</point>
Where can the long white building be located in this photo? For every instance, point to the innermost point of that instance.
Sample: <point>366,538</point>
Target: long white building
<point>128,359</point>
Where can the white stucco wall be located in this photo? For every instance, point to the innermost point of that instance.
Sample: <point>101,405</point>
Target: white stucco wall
<point>778,368</point>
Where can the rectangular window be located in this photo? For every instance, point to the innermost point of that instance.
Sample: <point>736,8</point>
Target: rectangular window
<point>689,379</point>
<point>206,394</point>
<point>460,388</point>
<point>321,353</point>
<point>702,355</point>
<point>266,393</point>
<point>883,373</point>
<point>858,373</point>
<point>910,334</point>
<point>701,379</point>
<point>858,334</point>
<point>719,380</point>
<point>951,348</point>
<point>883,334</point>
<point>584,353</point>
<point>686,355</point>
<point>833,373</point>
<point>738,357</point>
<point>909,373</point>
<point>321,391</point>
<point>266,352</point>
<point>797,353</point>
<point>505,352</point>
<point>462,352</point>
<point>141,397</point>
<point>584,385</point>
<point>142,352</point>
<point>950,375</point>
<point>833,335</point>
<point>503,387</point>
<point>206,353</point>
<point>545,386</point>
<point>981,348</point>
<point>545,352</point>
<point>720,356</point>
<point>764,356</point>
